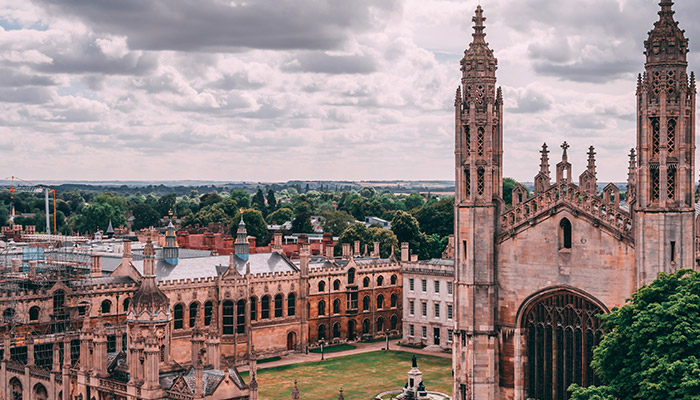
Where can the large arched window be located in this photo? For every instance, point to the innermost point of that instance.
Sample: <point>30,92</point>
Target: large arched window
<point>561,329</point>
<point>106,307</point>
<point>240,316</point>
<point>336,284</point>
<point>265,307</point>
<point>177,316</point>
<point>380,301</point>
<point>351,276</point>
<point>321,307</point>
<point>321,332</point>
<point>336,306</point>
<point>227,314</point>
<point>336,330</point>
<point>380,280</point>
<point>321,286</point>
<point>365,326</point>
<point>208,307</point>
<point>394,278</point>
<point>34,313</point>
<point>365,282</point>
<point>253,309</point>
<point>394,300</point>
<point>564,234</point>
<point>380,324</point>
<point>394,321</point>
<point>365,303</point>
<point>125,304</point>
<point>279,300</point>
<point>194,310</point>
<point>291,305</point>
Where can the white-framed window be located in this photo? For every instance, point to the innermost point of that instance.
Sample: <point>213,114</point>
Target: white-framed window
<point>437,310</point>
<point>411,307</point>
<point>450,287</point>
<point>424,285</point>
<point>411,331</point>
<point>410,284</point>
<point>424,309</point>
<point>425,332</point>
<point>449,311</point>
<point>437,286</point>
<point>449,336</point>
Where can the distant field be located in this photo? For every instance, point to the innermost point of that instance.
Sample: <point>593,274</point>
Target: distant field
<point>362,376</point>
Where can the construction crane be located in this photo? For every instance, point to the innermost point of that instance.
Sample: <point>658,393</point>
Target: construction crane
<point>38,188</point>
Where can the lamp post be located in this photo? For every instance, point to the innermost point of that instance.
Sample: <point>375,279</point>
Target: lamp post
<point>386,333</point>
<point>322,350</point>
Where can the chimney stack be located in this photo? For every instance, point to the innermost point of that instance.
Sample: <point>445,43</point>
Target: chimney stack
<point>95,266</point>
<point>356,253</point>
<point>404,252</point>
<point>346,251</point>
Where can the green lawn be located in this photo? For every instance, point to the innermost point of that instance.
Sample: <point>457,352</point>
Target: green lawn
<point>333,349</point>
<point>362,376</point>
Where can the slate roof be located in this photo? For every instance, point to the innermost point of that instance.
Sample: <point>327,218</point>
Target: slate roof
<point>211,377</point>
<point>209,267</point>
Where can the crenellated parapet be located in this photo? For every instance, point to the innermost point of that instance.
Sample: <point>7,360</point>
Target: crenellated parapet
<point>607,215</point>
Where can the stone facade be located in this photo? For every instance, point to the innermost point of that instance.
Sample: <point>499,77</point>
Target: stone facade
<point>428,304</point>
<point>532,275</point>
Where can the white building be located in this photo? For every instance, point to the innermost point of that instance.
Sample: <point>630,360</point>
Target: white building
<point>428,305</point>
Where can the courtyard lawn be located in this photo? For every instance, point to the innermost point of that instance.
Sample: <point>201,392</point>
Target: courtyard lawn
<point>333,349</point>
<point>362,376</point>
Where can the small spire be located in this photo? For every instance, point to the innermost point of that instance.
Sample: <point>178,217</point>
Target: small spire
<point>591,159</point>
<point>148,250</point>
<point>666,8</point>
<point>564,156</point>
<point>544,159</point>
<point>632,164</point>
<point>458,96</point>
<point>478,20</point>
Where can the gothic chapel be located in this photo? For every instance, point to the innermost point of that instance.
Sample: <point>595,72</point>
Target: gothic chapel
<point>532,275</point>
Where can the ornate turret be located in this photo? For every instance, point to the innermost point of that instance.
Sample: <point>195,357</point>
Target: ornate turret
<point>148,297</point>
<point>241,246</point>
<point>667,42</point>
<point>543,179</point>
<point>170,250</point>
<point>587,180</point>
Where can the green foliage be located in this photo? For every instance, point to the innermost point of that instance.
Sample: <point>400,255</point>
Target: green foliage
<point>357,208</point>
<point>241,197</point>
<point>281,216</point>
<point>336,221</point>
<point>368,192</point>
<point>258,201</point>
<point>652,348</point>
<point>356,231</point>
<point>406,229</point>
<point>166,204</point>
<point>118,203</point>
<point>437,217</point>
<point>434,246</point>
<point>386,238</point>
<point>271,201</point>
<point>144,216</point>
<point>590,393</point>
<point>4,214</point>
<point>413,201</point>
<point>97,216</point>
<point>210,199</point>
<point>367,236</point>
<point>508,185</point>
<point>302,219</point>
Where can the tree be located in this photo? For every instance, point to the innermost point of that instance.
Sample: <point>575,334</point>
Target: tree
<point>302,220</point>
<point>255,226</point>
<point>356,231</point>
<point>406,229</point>
<point>209,199</point>
<point>508,185</point>
<point>368,192</point>
<point>271,201</point>
<point>651,349</point>
<point>259,201</point>
<point>357,208</point>
<point>386,238</point>
<point>280,216</point>
<point>241,197</point>
<point>437,217</point>
<point>144,216</point>
<point>166,204</point>
<point>336,222</point>
<point>4,214</point>
<point>97,216</point>
<point>414,200</point>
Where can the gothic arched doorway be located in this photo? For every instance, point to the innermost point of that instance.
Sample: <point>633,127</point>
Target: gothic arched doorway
<point>560,330</point>
<point>291,340</point>
<point>40,392</point>
<point>15,389</point>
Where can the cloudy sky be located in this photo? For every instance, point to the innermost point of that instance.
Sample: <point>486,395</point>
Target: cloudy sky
<point>287,89</point>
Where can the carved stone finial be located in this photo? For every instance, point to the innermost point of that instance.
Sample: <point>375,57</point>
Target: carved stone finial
<point>591,158</point>
<point>564,156</point>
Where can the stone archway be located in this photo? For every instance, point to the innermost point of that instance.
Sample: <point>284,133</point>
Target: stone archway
<point>15,389</point>
<point>291,341</point>
<point>557,331</point>
<point>40,392</point>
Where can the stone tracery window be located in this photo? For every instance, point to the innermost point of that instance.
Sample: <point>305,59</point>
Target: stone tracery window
<point>561,330</point>
<point>480,181</point>
<point>654,173</point>
<point>467,182</point>
<point>467,139</point>
<point>671,182</point>
<point>480,142</point>
<point>655,136</point>
<point>671,134</point>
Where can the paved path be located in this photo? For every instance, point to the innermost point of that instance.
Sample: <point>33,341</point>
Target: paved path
<point>296,358</point>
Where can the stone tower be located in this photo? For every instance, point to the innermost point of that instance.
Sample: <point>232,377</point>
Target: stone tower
<point>241,246</point>
<point>663,205</point>
<point>170,250</point>
<point>478,177</point>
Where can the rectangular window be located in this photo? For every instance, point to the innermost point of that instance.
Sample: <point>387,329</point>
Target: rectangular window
<point>424,309</point>
<point>425,332</point>
<point>673,251</point>
<point>411,331</point>
<point>437,310</point>
<point>437,286</point>
<point>352,301</point>
<point>411,307</point>
<point>424,285</point>
<point>449,311</point>
<point>450,287</point>
<point>449,336</point>
<point>410,283</point>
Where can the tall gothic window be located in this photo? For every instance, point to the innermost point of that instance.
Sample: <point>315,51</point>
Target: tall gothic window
<point>194,307</point>
<point>240,316</point>
<point>278,305</point>
<point>561,331</point>
<point>467,182</point>
<point>265,307</point>
<point>253,309</point>
<point>291,304</point>
<point>467,139</point>
<point>671,134</point>
<point>564,234</point>
<point>654,172</point>
<point>671,182</point>
<point>227,314</point>
<point>480,181</point>
<point>177,316</point>
<point>655,136</point>
<point>480,141</point>
<point>208,307</point>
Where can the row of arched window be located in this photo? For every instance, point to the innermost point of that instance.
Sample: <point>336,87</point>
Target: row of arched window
<point>233,314</point>
<point>105,308</point>
<point>366,328</point>
<point>351,280</point>
<point>366,304</point>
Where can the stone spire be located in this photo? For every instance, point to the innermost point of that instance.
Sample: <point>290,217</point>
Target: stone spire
<point>148,297</point>
<point>170,250</point>
<point>667,42</point>
<point>544,159</point>
<point>632,179</point>
<point>241,246</point>
<point>478,58</point>
<point>591,159</point>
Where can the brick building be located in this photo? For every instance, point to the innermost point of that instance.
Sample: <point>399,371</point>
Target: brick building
<point>532,275</point>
